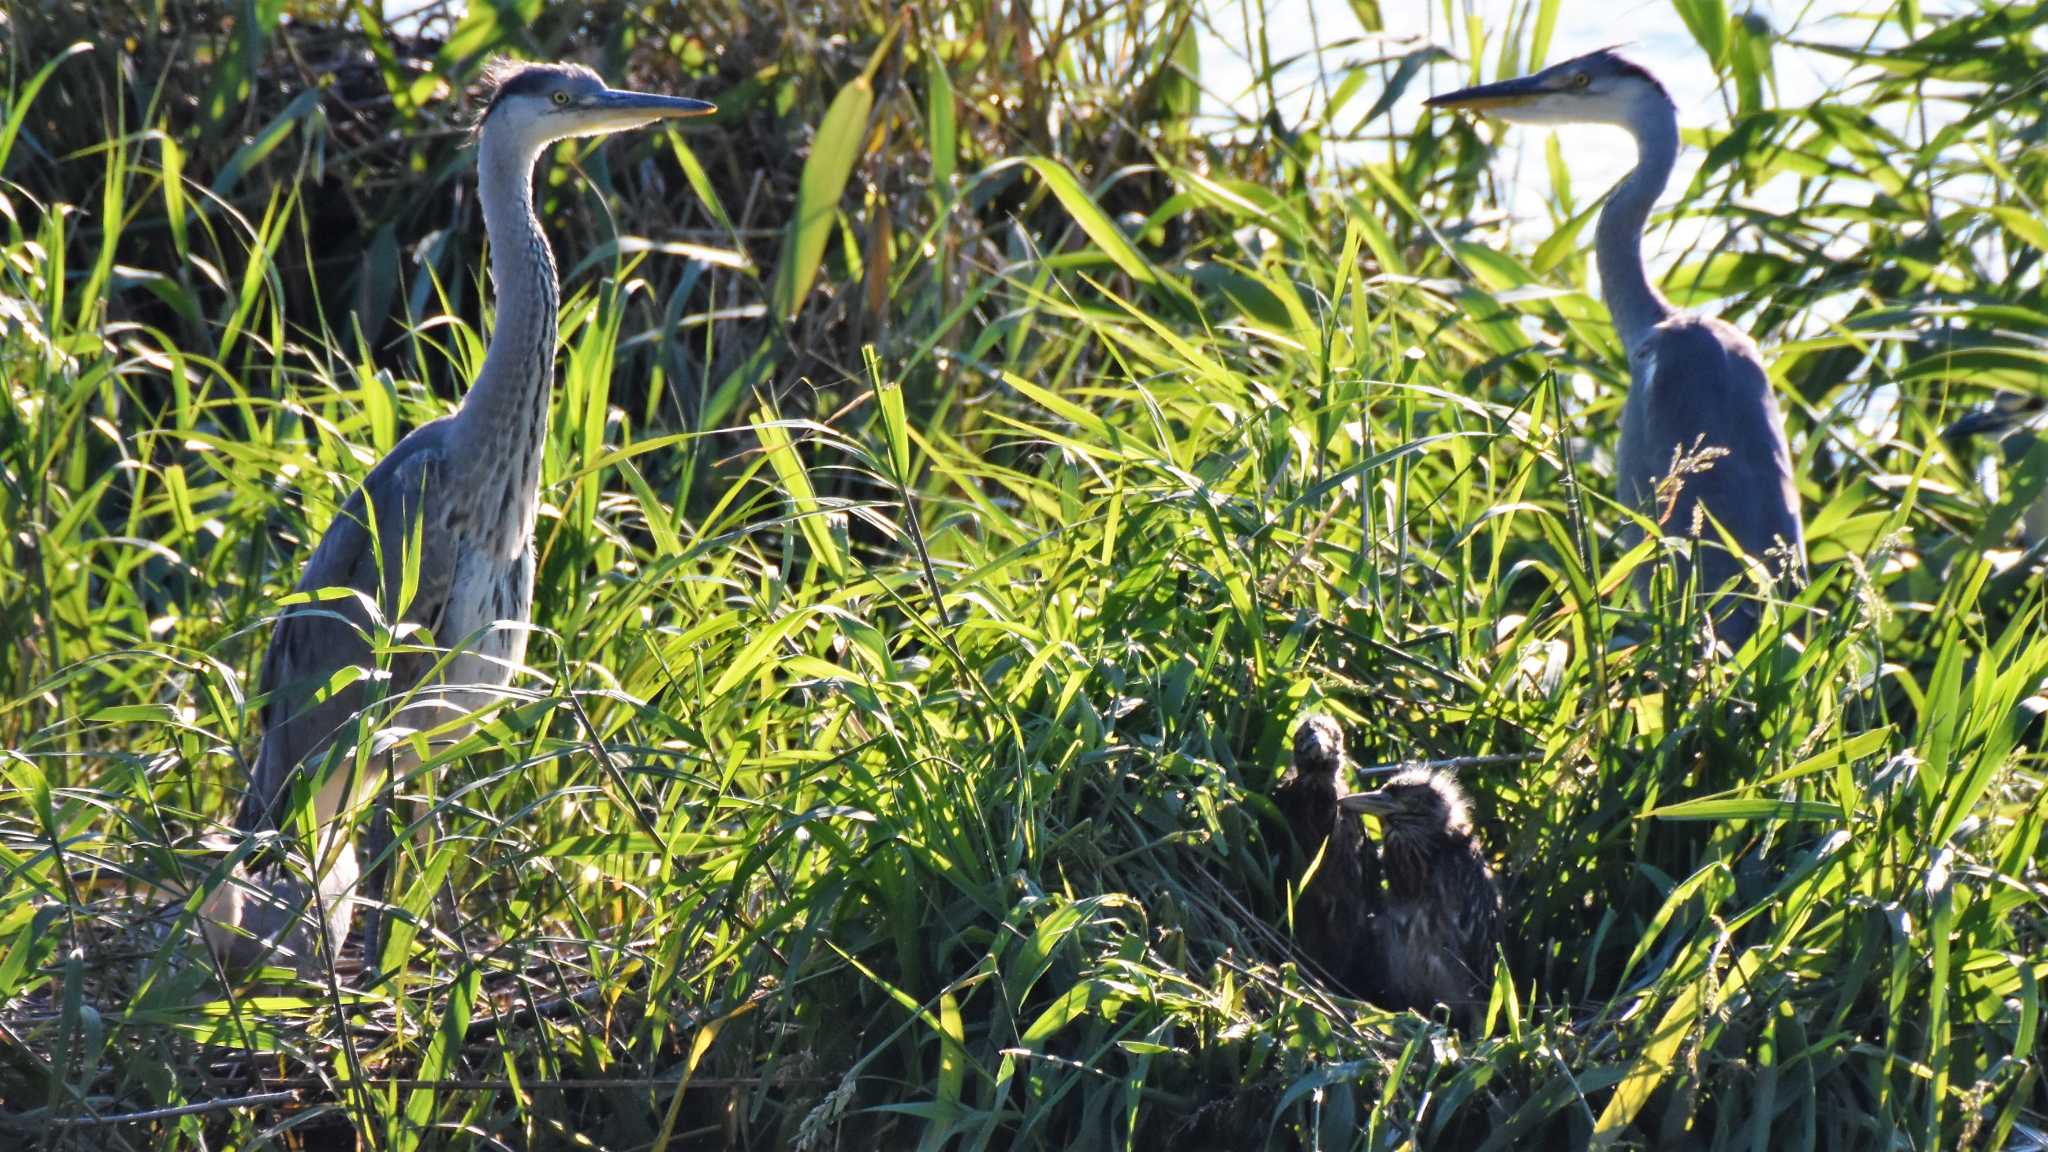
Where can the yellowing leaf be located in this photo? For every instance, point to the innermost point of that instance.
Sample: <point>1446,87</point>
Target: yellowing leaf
<point>826,172</point>
<point>1659,1056</point>
<point>1099,227</point>
<point>2022,224</point>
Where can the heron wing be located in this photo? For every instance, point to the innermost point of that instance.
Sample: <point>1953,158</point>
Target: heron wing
<point>1702,384</point>
<point>311,642</point>
<point>1333,916</point>
<point>1477,932</point>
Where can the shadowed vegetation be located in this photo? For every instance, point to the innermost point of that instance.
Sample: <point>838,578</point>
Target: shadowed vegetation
<point>968,463</point>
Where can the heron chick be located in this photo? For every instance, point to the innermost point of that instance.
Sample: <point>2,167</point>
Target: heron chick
<point>439,536</point>
<point>1331,865</point>
<point>1700,427</point>
<point>1438,924</point>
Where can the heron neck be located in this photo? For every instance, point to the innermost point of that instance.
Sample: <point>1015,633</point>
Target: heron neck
<point>1406,860</point>
<point>1635,304</point>
<point>503,422</point>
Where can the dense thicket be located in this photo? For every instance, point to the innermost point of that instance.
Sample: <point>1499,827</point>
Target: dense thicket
<point>968,463</point>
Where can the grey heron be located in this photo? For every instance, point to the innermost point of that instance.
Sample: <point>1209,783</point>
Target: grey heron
<point>1700,428</point>
<point>1438,924</point>
<point>440,536</point>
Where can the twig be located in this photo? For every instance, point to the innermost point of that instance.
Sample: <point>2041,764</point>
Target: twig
<point>1452,764</point>
<point>286,1091</point>
<point>223,1105</point>
<point>43,1066</point>
<point>564,1085</point>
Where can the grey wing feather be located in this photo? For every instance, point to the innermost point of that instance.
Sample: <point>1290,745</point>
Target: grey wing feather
<point>310,642</point>
<point>1473,940</point>
<point>1333,918</point>
<point>1479,933</point>
<point>1706,384</point>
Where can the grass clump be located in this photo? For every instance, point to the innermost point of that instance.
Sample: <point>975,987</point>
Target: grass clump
<point>917,648</point>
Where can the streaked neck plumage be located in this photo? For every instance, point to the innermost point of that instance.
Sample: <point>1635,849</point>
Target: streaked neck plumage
<point>502,426</point>
<point>1634,303</point>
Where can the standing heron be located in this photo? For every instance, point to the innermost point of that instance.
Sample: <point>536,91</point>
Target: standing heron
<point>1438,924</point>
<point>1700,413</point>
<point>439,536</point>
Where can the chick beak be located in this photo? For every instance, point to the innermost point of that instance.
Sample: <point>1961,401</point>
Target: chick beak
<point>1366,804</point>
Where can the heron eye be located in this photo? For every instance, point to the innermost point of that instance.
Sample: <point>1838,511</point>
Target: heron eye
<point>561,97</point>
<point>1581,80</point>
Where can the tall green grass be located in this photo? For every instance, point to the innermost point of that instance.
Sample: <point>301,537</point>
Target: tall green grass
<point>949,509</point>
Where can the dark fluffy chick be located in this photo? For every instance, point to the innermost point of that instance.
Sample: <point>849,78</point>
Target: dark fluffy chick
<point>1439,925</point>
<point>1333,914</point>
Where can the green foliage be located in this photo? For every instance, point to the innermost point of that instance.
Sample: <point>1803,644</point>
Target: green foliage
<point>965,468</point>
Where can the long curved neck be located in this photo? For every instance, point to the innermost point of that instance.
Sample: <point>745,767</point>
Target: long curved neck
<point>502,426</point>
<point>1634,303</point>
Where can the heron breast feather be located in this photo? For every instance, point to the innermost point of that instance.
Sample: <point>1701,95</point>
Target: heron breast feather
<point>486,591</point>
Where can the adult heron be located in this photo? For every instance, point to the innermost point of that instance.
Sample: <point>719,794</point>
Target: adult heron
<point>1700,429</point>
<point>439,536</point>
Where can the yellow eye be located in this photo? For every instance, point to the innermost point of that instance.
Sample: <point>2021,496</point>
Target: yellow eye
<point>1582,79</point>
<point>562,97</point>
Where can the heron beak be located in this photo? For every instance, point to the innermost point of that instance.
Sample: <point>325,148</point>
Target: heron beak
<point>1982,422</point>
<point>616,109</point>
<point>1366,804</point>
<point>1488,97</point>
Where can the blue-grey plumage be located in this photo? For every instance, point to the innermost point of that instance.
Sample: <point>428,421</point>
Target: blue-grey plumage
<point>466,488</point>
<point>1699,395</point>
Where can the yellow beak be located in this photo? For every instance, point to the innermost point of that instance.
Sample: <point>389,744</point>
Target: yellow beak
<point>1483,97</point>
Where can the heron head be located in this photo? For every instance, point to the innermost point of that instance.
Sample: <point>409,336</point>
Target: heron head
<point>1415,803</point>
<point>538,104</point>
<point>1318,747</point>
<point>1600,87</point>
<point>2008,412</point>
